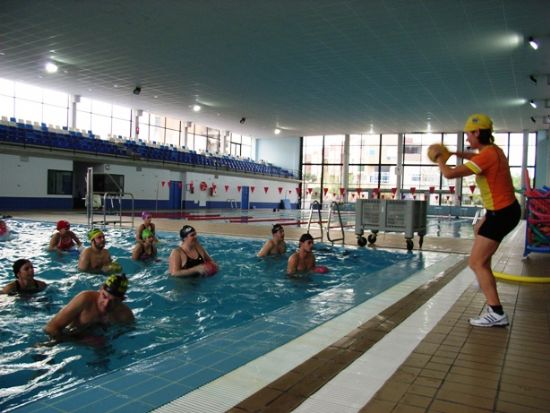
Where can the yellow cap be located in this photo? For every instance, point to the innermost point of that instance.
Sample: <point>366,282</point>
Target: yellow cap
<point>478,121</point>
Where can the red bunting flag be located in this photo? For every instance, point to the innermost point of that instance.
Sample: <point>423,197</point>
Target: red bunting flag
<point>358,190</point>
<point>252,188</point>
<point>280,189</point>
<point>452,189</point>
<point>342,190</point>
<point>472,188</point>
<point>266,188</point>
<point>310,190</point>
<point>432,189</point>
<point>239,188</point>
<point>163,183</point>
<point>298,190</point>
<point>179,185</point>
<point>413,190</point>
<point>325,190</point>
<point>226,188</point>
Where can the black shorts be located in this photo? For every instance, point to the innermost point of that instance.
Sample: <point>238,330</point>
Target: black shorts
<point>499,223</point>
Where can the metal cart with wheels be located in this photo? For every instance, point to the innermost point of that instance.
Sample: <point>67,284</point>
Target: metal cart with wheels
<point>390,215</point>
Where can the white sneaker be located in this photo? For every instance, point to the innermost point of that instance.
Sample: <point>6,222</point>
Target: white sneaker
<point>490,319</point>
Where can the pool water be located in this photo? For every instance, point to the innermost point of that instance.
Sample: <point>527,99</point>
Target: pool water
<point>170,312</point>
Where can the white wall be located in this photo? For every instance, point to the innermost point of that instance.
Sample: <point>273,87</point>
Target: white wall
<point>27,176</point>
<point>284,152</point>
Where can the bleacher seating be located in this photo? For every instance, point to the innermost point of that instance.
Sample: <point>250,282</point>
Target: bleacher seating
<point>26,133</point>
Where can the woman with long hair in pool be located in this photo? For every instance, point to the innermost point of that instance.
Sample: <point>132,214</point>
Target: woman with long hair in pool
<point>63,239</point>
<point>146,250</point>
<point>24,279</point>
<point>190,258</point>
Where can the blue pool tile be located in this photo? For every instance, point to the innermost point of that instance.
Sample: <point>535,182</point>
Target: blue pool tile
<point>80,398</point>
<point>142,388</point>
<point>180,372</point>
<point>200,378</point>
<point>123,378</point>
<point>38,407</point>
<point>211,357</point>
<point>231,363</point>
<point>104,404</point>
<point>132,407</point>
<point>166,394</point>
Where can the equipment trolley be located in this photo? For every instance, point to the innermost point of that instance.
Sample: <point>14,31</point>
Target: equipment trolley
<point>390,215</point>
<point>537,236</point>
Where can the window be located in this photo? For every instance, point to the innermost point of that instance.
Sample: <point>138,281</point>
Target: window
<point>60,182</point>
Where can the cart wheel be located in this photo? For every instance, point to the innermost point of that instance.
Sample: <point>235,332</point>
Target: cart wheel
<point>371,238</point>
<point>421,241</point>
<point>410,244</point>
<point>361,241</point>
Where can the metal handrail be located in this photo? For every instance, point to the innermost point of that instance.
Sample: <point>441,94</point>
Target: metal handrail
<point>335,206</point>
<point>311,216</point>
<point>120,195</point>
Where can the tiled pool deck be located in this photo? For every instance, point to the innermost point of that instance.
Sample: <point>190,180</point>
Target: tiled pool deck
<point>373,340</point>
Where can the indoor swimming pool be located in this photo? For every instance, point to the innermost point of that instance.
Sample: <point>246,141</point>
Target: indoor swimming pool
<point>193,330</point>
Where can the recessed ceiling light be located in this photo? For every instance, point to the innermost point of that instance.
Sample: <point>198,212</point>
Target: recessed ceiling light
<point>115,86</point>
<point>155,97</point>
<point>533,43</point>
<point>51,67</point>
<point>277,131</point>
<point>196,108</point>
<point>533,103</point>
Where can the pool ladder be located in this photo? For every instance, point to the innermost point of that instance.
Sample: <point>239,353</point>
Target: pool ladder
<point>333,209</point>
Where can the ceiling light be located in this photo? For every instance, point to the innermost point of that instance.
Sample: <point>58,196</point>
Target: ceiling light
<point>196,108</point>
<point>533,43</point>
<point>533,104</point>
<point>51,67</point>
<point>533,79</point>
<point>277,131</point>
<point>533,119</point>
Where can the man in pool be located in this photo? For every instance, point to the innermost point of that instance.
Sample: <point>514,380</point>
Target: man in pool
<point>92,308</point>
<point>96,258</point>
<point>276,245</point>
<point>303,260</point>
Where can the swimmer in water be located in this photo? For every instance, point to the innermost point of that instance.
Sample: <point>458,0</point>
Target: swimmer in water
<point>64,239</point>
<point>146,224</point>
<point>95,258</point>
<point>146,250</point>
<point>190,258</point>
<point>92,308</point>
<point>276,245</point>
<point>303,260</point>
<point>24,279</point>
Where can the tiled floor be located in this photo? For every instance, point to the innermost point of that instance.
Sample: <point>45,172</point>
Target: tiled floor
<point>452,368</point>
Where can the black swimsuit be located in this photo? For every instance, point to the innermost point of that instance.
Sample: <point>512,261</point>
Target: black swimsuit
<point>18,289</point>
<point>192,262</point>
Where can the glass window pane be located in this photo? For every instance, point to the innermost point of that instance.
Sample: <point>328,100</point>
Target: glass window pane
<point>28,92</point>
<point>101,108</point>
<point>101,125</point>
<point>55,98</point>
<point>27,110</point>
<point>200,143</point>
<point>334,149</point>
<point>531,149</point>
<point>172,137</point>
<point>121,127</point>
<point>389,149</point>
<point>85,104</point>
<point>83,120</point>
<point>7,87</point>
<point>7,106</point>
<point>313,146</point>
<point>122,112</point>
<point>156,134</point>
<point>55,115</point>
<point>173,124</point>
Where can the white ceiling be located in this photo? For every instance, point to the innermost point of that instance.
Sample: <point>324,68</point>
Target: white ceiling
<point>309,67</point>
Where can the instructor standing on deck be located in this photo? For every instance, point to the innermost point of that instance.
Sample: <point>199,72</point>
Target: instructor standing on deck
<point>493,178</point>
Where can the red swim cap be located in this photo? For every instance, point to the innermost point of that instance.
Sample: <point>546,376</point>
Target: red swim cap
<point>63,225</point>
